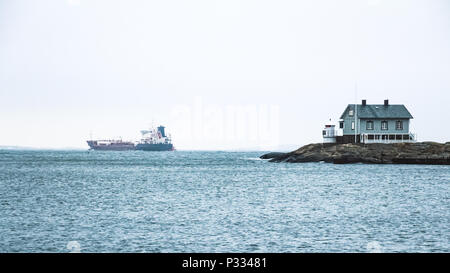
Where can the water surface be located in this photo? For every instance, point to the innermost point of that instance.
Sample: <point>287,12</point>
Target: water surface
<point>180,201</point>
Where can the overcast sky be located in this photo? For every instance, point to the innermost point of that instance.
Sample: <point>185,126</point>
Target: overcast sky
<point>69,69</point>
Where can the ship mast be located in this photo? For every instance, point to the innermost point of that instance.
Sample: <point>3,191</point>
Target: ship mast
<point>356,111</point>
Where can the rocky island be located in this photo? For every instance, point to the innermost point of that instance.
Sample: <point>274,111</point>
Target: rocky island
<point>375,153</point>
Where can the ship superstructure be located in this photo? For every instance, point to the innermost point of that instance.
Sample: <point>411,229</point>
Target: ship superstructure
<point>155,140</point>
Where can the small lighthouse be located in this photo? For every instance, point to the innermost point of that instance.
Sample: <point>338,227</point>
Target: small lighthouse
<point>329,133</point>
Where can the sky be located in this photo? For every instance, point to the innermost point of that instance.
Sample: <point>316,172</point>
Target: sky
<point>219,74</point>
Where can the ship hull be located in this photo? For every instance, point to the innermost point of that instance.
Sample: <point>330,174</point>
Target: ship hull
<point>155,147</point>
<point>93,145</point>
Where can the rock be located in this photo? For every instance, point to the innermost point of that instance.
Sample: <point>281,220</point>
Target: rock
<point>376,153</point>
<point>271,155</point>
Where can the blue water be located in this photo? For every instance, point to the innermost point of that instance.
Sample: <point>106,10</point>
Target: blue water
<point>60,201</point>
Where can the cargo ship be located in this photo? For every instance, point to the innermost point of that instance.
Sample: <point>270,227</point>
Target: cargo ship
<point>152,140</point>
<point>155,140</point>
<point>111,145</point>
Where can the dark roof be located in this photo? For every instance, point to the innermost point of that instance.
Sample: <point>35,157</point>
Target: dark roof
<point>380,111</point>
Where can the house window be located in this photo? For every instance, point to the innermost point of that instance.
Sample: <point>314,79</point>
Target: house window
<point>369,125</point>
<point>341,125</point>
<point>399,125</point>
<point>350,113</point>
<point>384,125</point>
<point>353,125</point>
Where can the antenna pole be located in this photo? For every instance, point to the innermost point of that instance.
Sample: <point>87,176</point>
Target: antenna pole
<point>356,111</point>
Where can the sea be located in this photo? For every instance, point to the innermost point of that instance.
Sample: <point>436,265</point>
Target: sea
<point>217,201</point>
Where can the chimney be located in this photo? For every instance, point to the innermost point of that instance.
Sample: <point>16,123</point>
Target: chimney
<point>363,102</point>
<point>386,102</point>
